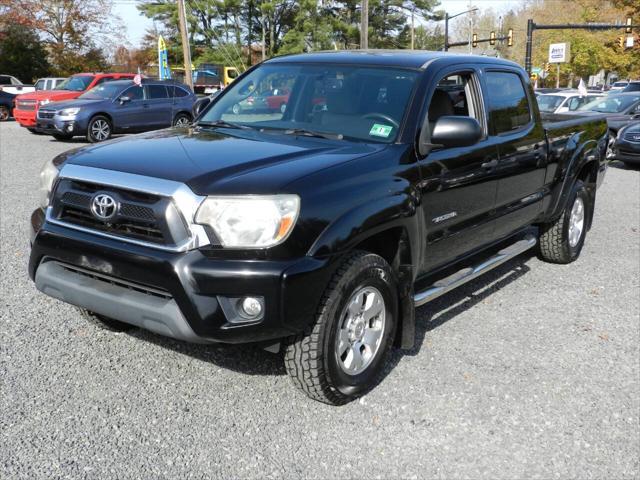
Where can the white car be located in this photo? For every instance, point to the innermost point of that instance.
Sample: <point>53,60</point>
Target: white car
<point>12,85</point>
<point>618,86</point>
<point>564,101</point>
<point>48,83</point>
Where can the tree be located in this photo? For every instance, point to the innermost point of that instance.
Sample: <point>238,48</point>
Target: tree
<point>22,53</point>
<point>72,30</point>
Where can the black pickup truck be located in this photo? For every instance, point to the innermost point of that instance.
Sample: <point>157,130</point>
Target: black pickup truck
<point>386,180</point>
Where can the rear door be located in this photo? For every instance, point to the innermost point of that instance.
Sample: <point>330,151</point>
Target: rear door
<point>522,149</point>
<point>158,107</point>
<point>459,183</point>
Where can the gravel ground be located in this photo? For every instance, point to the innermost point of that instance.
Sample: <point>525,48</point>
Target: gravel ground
<point>532,371</point>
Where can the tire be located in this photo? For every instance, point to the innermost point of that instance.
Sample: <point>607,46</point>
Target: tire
<point>99,129</point>
<point>105,323</point>
<point>318,360</point>
<point>61,136</point>
<point>559,242</point>
<point>182,120</point>
<point>4,113</point>
<point>283,108</point>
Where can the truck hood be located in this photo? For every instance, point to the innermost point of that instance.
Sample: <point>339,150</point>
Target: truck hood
<point>222,162</point>
<point>51,95</point>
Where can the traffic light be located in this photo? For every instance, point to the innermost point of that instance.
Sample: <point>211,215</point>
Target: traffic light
<point>492,38</point>
<point>510,38</point>
<point>475,40</point>
<point>621,42</point>
<point>628,29</point>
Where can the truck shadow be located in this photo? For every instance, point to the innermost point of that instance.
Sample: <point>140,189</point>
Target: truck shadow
<point>252,360</point>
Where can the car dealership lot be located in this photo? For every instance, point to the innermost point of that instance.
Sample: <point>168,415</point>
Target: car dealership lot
<point>530,371</point>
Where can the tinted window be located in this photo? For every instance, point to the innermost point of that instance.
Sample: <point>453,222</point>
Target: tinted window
<point>157,91</point>
<point>134,93</point>
<point>5,80</point>
<point>179,92</point>
<point>508,104</point>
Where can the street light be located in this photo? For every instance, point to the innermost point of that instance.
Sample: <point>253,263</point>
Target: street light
<point>448,17</point>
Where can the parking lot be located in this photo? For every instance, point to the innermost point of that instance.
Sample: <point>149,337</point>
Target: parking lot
<point>531,371</point>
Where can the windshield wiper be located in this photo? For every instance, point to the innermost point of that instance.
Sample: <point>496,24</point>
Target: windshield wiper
<point>311,133</point>
<point>223,124</point>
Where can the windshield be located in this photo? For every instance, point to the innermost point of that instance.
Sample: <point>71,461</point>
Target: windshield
<point>615,104</point>
<point>76,84</point>
<point>549,103</point>
<point>104,91</point>
<point>362,103</point>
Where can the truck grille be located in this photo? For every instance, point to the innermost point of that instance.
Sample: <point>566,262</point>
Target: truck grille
<point>140,216</point>
<point>26,104</point>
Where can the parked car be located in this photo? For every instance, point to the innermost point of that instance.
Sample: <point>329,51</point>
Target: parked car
<point>627,145</point>
<point>14,86</point>
<point>48,83</point>
<point>617,87</point>
<point>319,229</point>
<point>27,105</point>
<point>271,100</point>
<point>6,105</point>
<point>619,109</point>
<point>633,86</point>
<point>564,101</point>
<point>120,106</point>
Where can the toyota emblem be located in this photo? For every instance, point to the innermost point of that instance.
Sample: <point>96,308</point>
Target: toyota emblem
<point>104,207</point>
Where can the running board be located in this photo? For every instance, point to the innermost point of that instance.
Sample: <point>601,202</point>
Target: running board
<point>467,274</point>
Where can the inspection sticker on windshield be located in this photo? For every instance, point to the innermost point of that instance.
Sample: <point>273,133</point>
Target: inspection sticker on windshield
<point>380,130</point>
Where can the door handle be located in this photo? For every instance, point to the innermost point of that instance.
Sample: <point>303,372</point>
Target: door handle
<point>492,164</point>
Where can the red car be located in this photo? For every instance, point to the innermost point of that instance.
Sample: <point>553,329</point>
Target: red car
<point>27,104</point>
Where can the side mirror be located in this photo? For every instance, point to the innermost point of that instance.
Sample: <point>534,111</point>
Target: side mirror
<point>202,104</point>
<point>453,131</point>
<point>124,99</point>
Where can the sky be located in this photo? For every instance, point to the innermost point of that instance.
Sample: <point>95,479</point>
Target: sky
<point>137,24</point>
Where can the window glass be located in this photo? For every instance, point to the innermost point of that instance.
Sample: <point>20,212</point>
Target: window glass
<point>76,83</point>
<point>5,80</point>
<point>40,85</point>
<point>451,97</point>
<point>611,103</point>
<point>179,92</point>
<point>104,91</point>
<point>549,103</point>
<point>134,93</point>
<point>157,91</point>
<point>508,104</point>
<point>232,73</point>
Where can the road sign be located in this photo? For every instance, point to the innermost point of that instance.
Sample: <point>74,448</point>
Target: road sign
<point>536,70</point>
<point>558,53</point>
<point>629,41</point>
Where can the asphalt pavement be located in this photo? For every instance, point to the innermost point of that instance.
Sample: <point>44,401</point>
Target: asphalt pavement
<point>532,371</point>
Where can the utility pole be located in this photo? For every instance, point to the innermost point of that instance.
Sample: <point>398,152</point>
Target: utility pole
<point>364,25</point>
<point>448,17</point>
<point>186,50</point>
<point>263,38</point>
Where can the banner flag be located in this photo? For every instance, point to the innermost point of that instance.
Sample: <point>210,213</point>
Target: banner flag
<point>163,62</point>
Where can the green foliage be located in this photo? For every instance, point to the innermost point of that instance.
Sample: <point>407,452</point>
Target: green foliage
<point>22,54</point>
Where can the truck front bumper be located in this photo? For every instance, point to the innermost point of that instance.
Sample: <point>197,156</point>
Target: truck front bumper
<point>188,296</point>
<point>26,118</point>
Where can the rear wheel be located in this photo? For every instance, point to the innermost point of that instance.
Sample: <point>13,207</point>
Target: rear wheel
<point>342,354</point>
<point>105,323</point>
<point>182,120</point>
<point>99,129</point>
<point>4,113</point>
<point>561,241</point>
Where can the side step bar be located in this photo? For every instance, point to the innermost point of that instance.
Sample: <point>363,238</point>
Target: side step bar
<point>467,274</point>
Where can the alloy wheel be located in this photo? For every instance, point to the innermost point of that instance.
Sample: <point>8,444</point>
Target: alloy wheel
<point>100,130</point>
<point>576,222</point>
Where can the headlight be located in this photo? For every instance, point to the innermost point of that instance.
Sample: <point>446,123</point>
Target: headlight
<point>251,221</point>
<point>44,102</point>
<point>48,176</point>
<point>69,112</point>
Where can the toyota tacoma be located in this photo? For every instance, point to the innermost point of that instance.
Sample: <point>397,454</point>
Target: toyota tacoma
<point>386,180</point>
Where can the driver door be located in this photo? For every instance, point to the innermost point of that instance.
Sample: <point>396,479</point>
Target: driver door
<point>459,184</point>
<point>131,115</point>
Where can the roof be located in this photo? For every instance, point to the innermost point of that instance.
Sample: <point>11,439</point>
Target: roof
<point>386,58</point>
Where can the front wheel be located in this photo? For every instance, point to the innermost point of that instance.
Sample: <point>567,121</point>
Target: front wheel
<point>4,113</point>
<point>99,129</point>
<point>561,241</point>
<point>342,354</point>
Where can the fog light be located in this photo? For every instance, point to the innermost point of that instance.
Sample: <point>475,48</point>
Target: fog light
<point>69,128</point>
<point>251,307</point>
